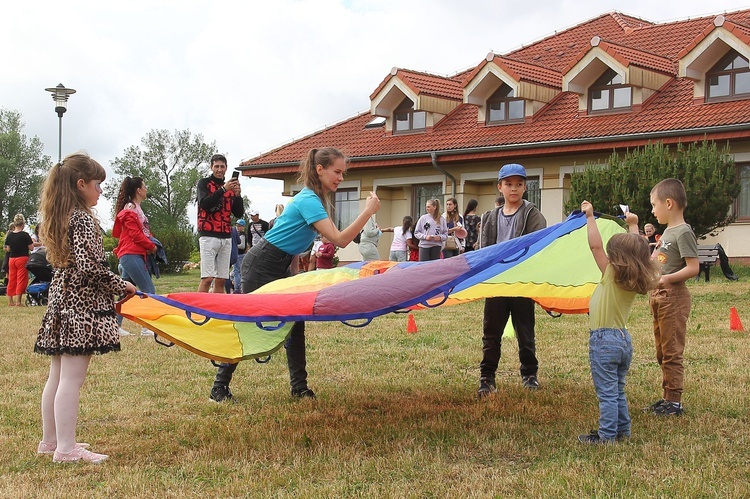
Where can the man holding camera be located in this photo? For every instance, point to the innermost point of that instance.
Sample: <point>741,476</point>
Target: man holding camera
<point>217,202</point>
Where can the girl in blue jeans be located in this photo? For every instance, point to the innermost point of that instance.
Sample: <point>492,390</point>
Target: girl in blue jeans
<point>627,270</point>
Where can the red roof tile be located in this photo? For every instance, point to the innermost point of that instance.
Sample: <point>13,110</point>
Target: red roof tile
<point>557,51</point>
<point>429,84</point>
<point>627,56</point>
<point>530,72</point>
<point>520,71</point>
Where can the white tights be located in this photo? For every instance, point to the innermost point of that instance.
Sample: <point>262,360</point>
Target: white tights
<point>60,399</point>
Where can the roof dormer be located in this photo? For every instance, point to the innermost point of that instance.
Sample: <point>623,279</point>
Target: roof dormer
<point>722,39</point>
<point>412,101</point>
<point>501,88</point>
<point>605,73</point>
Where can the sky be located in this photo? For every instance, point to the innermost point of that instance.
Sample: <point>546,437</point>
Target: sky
<point>252,76</point>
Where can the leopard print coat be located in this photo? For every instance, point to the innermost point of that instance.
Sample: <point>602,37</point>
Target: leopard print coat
<point>80,317</point>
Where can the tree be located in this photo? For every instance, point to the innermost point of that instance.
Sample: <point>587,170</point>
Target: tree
<point>171,165</point>
<point>709,176</point>
<point>22,169</point>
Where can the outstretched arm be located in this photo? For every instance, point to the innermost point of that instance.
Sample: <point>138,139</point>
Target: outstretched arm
<point>595,238</point>
<point>341,238</point>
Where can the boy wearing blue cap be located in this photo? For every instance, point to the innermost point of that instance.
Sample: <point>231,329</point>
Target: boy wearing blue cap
<point>514,218</point>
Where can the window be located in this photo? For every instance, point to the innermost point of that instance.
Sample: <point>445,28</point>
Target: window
<point>533,191</point>
<point>609,93</point>
<point>406,119</point>
<point>503,107</point>
<point>729,79</point>
<point>424,192</point>
<point>346,202</point>
<point>743,200</point>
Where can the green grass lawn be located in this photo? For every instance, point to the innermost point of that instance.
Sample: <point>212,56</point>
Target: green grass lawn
<point>396,414</point>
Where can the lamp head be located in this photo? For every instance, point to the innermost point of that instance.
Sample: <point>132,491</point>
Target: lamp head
<point>60,96</point>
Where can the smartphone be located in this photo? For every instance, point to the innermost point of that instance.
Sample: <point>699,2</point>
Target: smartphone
<point>235,175</point>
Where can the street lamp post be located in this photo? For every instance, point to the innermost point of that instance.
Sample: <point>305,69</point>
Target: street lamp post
<point>60,96</point>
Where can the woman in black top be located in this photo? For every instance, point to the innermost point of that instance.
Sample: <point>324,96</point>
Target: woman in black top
<point>18,243</point>
<point>471,221</point>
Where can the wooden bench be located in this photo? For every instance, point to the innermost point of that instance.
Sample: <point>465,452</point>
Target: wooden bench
<point>708,254</point>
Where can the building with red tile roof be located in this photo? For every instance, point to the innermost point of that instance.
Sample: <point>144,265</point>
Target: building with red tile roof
<point>614,82</point>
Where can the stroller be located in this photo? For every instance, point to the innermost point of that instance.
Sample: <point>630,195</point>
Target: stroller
<point>37,293</point>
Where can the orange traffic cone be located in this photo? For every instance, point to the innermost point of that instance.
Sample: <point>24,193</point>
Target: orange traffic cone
<point>735,324</point>
<point>411,325</point>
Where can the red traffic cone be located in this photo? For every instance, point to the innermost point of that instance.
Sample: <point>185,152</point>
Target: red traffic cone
<point>411,325</point>
<point>735,324</point>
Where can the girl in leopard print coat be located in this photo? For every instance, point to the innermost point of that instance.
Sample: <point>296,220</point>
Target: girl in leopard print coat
<point>80,320</point>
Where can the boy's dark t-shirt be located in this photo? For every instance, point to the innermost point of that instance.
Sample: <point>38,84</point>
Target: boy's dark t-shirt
<point>676,244</point>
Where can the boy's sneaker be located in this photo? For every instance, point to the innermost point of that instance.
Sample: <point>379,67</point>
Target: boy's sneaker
<point>301,393</point>
<point>124,332</point>
<point>654,406</point>
<point>530,382</point>
<point>220,393</point>
<point>592,438</point>
<point>622,436</point>
<point>669,409</point>
<point>146,332</point>
<point>486,387</point>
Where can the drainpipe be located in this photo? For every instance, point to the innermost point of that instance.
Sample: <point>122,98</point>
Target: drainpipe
<point>440,169</point>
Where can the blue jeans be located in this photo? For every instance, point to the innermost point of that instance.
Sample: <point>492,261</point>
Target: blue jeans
<point>134,270</point>
<point>398,256</point>
<point>610,354</point>
<point>236,273</point>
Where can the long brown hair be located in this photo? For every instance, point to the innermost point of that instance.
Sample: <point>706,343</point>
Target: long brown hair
<point>455,216</point>
<point>127,192</point>
<point>308,175</point>
<point>470,206</point>
<point>406,226</point>
<point>630,259</point>
<point>436,204</point>
<point>60,196</point>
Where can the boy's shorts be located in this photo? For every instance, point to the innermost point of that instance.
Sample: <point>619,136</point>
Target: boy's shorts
<point>215,254</point>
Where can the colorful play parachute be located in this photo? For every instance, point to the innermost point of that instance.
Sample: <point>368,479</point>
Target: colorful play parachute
<point>552,266</point>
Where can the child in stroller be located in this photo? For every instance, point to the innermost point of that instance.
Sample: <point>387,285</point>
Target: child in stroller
<point>37,292</point>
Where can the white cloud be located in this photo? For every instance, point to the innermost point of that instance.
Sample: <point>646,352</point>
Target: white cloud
<point>253,75</point>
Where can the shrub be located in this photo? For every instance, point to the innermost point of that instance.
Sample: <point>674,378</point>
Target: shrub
<point>178,244</point>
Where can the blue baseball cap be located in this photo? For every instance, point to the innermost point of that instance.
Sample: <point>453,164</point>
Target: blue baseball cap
<point>241,222</point>
<point>510,170</point>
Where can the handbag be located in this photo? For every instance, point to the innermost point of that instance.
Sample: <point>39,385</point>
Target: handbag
<point>452,243</point>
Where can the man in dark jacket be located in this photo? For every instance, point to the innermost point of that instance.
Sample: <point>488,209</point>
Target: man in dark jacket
<point>217,202</point>
<point>256,229</point>
<point>514,218</point>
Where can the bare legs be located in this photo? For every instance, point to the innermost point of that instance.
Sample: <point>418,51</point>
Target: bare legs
<point>205,285</point>
<point>18,302</point>
<point>60,400</point>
